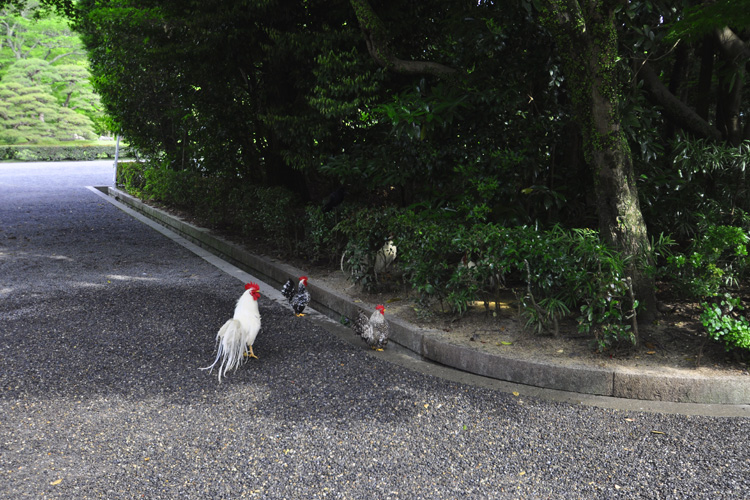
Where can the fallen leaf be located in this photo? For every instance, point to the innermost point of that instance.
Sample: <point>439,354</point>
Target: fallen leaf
<point>629,420</point>
<point>657,432</point>
<point>650,352</point>
<point>427,405</point>
<point>55,483</point>
<point>394,299</point>
<point>505,342</point>
<point>559,350</point>
<point>522,473</point>
<point>515,393</point>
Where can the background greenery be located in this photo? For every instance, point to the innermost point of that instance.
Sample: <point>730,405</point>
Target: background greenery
<point>45,92</point>
<point>465,132</point>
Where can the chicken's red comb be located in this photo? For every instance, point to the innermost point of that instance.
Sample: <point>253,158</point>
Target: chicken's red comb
<point>380,308</point>
<point>254,286</point>
<point>303,278</point>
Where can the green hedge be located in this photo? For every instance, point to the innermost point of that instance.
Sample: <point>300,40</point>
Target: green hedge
<point>556,273</point>
<point>74,152</point>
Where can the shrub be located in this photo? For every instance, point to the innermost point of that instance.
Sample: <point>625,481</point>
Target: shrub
<point>717,259</point>
<point>560,270</point>
<point>365,232</point>
<point>72,152</point>
<point>724,323</point>
<point>715,264</point>
<point>323,239</point>
<point>270,214</point>
<point>442,257</point>
<point>130,175</point>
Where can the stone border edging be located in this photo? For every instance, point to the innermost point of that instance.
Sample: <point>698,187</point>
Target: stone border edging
<point>676,385</point>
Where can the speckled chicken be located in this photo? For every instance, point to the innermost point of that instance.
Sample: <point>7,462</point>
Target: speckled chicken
<point>298,298</point>
<point>373,330</point>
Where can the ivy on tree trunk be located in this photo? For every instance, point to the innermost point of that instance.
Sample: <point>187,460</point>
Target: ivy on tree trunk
<point>585,32</point>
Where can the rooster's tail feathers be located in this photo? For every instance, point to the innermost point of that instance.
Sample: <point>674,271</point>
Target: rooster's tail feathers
<point>288,289</point>
<point>360,324</point>
<point>232,348</point>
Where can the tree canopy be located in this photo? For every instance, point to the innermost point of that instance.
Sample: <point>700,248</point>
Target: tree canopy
<point>44,79</point>
<point>386,94</point>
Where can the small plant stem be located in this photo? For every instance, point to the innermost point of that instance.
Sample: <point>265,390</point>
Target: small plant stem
<point>633,318</point>
<point>541,312</point>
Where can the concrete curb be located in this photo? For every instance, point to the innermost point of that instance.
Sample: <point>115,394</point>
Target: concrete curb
<point>674,385</point>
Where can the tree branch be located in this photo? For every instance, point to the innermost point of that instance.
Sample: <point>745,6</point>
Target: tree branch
<point>674,109</point>
<point>57,58</point>
<point>379,47</point>
<point>731,45</point>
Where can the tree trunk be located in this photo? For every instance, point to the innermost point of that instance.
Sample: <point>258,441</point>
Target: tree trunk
<point>705,76</point>
<point>586,34</point>
<point>734,52</point>
<point>677,81</point>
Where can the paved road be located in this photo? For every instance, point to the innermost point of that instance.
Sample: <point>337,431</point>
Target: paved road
<point>104,323</point>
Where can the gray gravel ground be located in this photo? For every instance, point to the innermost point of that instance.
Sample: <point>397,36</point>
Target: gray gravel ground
<point>104,323</point>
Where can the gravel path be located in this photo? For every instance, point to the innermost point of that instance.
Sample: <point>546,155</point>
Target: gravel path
<point>104,323</point>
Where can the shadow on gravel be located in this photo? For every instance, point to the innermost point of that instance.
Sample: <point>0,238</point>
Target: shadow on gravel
<point>141,340</point>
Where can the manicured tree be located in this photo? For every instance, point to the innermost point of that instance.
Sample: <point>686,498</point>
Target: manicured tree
<point>41,52</point>
<point>30,111</point>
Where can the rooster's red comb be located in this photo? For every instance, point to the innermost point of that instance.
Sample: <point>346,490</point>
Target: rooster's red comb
<point>254,286</point>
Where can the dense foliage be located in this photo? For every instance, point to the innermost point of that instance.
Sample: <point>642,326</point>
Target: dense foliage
<point>454,119</point>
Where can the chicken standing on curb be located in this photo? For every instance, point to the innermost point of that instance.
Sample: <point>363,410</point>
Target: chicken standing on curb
<point>235,339</point>
<point>374,330</point>
<point>298,298</point>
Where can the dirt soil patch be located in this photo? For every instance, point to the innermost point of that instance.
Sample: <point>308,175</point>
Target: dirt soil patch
<point>676,340</point>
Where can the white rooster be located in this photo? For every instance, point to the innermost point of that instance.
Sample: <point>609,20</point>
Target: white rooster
<point>373,330</point>
<point>235,339</point>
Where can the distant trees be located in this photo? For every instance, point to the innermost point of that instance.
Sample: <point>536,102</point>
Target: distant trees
<point>45,93</point>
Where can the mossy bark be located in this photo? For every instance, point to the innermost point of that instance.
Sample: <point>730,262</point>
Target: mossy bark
<point>585,32</point>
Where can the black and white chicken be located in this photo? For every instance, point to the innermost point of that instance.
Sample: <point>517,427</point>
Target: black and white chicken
<point>298,298</point>
<point>374,330</point>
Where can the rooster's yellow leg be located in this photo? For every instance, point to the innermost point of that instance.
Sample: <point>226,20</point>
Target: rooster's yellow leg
<point>251,354</point>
